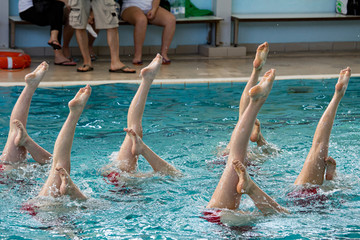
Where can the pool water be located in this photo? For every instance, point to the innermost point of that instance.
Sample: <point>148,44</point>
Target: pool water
<point>186,126</point>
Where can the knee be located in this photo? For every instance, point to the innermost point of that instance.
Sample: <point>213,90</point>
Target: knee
<point>141,22</point>
<point>171,21</point>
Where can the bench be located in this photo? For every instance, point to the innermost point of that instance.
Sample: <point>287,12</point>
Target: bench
<point>286,17</point>
<point>213,22</point>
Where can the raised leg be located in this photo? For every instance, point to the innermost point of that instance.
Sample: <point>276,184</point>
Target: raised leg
<point>314,166</point>
<point>259,61</point>
<point>12,153</point>
<point>246,185</point>
<point>156,162</point>
<point>60,169</point>
<point>22,139</point>
<point>126,160</point>
<point>226,195</point>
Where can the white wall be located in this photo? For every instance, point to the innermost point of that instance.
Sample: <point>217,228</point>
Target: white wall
<point>288,32</point>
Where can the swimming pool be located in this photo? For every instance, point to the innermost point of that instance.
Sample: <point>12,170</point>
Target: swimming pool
<point>185,126</point>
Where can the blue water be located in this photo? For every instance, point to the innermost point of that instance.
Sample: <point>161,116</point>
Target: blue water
<point>185,126</point>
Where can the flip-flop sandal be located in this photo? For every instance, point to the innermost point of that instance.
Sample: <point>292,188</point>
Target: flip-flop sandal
<point>88,68</point>
<point>66,63</point>
<point>55,45</point>
<point>139,63</point>
<point>122,70</point>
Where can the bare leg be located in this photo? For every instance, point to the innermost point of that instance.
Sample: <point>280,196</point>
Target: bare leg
<point>136,17</point>
<point>226,195</point>
<point>156,162</point>
<point>314,166</point>
<point>113,42</point>
<point>61,163</point>
<point>82,40</point>
<point>91,41</point>
<point>246,185</point>
<point>12,153</point>
<point>67,35</point>
<point>22,139</point>
<point>167,20</point>
<point>126,160</point>
<point>259,61</point>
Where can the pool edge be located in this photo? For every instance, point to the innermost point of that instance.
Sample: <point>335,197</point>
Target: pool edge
<point>173,81</point>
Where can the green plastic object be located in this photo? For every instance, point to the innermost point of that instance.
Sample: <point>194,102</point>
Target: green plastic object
<point>192,11</point>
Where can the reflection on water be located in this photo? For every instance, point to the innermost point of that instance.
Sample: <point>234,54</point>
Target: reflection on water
<point>188,127</point>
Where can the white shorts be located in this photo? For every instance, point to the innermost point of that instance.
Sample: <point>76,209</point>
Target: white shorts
<point>144,5</point>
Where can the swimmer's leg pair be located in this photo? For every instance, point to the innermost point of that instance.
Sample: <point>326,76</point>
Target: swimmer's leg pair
<point>259,61</point>
<point>17,142</point>
<point>157,163</point>
<point>317,160</point>
<point>60,169</point>
<point>234,182</point>
<point>126,160</point>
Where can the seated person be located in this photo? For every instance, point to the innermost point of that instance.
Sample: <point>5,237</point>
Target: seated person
<point>15,151</point>
<point>140,13</point>
<point>318,161</point>
<point>132,146</point>
<point>235,181</point>
<point>52,16</point>
<point>59,182</point>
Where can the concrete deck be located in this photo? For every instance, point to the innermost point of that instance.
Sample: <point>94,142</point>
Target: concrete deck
<point>186,69</point>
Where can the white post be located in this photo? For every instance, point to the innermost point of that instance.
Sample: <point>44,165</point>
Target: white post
<point>4,24</point>
<point>223,9</point>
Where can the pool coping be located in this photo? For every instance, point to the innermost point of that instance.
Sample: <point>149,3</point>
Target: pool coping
<point>174,81</point>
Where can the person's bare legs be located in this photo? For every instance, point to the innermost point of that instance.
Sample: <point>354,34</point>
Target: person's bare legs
<point>68,32</point>
<point>91,40</point>
<point>126,160</point>
<point>167,20</point>
<point>330,168</point>
<point>259,61</point>
<point>82,39</point>
<point>22,139</point>
<point>246,185</point>
<point>113,42</point>
<point>12,153</point>
<point>59,56</point>
<point>314,166</point>
<point>135,16</point>
<point>156,162</point>
<point>226,195</point>
<point>59,178</point>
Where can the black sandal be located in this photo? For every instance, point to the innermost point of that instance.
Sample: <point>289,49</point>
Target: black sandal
<point>87,67</point>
